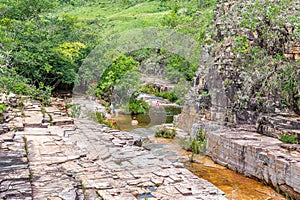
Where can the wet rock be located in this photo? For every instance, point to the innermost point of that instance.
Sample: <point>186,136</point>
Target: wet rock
<point>3,128</point>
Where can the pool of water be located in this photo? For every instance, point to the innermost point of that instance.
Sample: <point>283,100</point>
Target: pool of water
<point>155,116</point>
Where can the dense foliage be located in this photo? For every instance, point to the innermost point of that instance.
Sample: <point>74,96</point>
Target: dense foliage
<point>43,48</point>
<point>44,43</point>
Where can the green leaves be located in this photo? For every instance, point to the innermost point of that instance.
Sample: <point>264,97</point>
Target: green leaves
<point>48,50</point>
<point>70,50</point>
<point>178,67</point>
<point>26,9</point>
<point>241,45</point>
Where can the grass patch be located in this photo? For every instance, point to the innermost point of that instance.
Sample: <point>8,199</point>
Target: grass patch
<point>289,138</point>
<point>83,187</point>
<point>26,146</point>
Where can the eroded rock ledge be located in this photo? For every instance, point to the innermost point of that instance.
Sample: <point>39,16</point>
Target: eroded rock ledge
<point>260,157</point>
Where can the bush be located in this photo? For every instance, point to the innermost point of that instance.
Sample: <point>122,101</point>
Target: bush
<point>120,67</point>
<point>170,95</point>
<point>148,89</point>
<point>138,106</point>
<point>43,94</point>
<point>165,132</point>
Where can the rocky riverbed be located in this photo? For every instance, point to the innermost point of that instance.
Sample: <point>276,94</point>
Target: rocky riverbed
<point>80,159</point>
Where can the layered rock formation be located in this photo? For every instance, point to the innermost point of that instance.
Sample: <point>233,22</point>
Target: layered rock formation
<point>249,74</point>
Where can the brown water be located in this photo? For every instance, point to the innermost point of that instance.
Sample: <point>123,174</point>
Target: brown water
<point>236,186</point>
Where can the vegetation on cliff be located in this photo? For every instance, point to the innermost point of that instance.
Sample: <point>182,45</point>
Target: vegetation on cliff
<point>256,48</point>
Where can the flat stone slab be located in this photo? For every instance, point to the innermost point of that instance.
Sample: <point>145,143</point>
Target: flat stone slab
<point>33,119</point>
<point>62,166</point>
<point>14,172</point>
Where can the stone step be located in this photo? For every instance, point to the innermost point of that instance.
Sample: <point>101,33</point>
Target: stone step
<point>276,125</point>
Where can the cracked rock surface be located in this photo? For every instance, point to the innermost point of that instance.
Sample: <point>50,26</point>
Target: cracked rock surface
<point>82,159</point>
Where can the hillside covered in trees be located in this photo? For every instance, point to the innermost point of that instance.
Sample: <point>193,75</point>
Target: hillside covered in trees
<point>43,43</point>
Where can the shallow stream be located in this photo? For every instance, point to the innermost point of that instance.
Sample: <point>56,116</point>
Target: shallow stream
<point>236,186</point>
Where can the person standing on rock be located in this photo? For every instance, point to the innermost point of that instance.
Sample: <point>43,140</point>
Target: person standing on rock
<point>157,103</point>
<point>112,110</point>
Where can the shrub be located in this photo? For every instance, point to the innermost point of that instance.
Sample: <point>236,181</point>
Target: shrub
<point>118,70</point>
<point>148,89</point>
<point>137,106</point>
<point>165,132</point>
<point>196,145</point>
<point>43,93</point>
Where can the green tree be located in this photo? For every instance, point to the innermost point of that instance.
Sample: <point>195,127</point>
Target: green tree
<point>113,74</point>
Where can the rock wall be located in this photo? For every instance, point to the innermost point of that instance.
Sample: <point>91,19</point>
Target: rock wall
<point>206,99</point>
<point>259,157</point>
<point>246,64</point>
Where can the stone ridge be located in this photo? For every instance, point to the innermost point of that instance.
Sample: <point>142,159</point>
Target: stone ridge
<point>260,157</point>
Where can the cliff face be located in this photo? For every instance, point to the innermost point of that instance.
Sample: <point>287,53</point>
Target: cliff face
<point>249,65</point>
